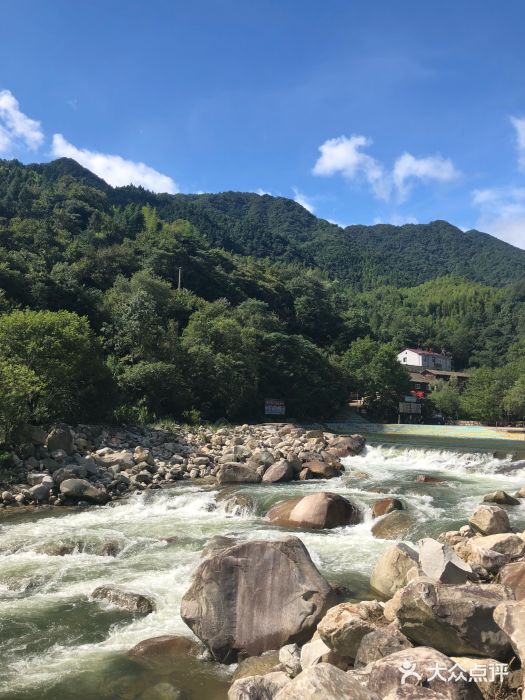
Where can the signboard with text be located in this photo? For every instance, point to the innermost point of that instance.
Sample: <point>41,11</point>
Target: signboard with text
<point>274,407</point>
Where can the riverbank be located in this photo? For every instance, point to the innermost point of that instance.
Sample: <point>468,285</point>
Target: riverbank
<point>58,640</point>
<point>96,464</point>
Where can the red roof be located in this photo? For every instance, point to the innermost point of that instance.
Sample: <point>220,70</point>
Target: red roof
<point>418,351</point>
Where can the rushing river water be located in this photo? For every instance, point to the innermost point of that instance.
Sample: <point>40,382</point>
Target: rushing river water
<point>57,644</point>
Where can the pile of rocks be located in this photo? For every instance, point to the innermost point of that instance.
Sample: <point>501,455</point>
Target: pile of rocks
<point>94,464</point>
<point>449,623</point>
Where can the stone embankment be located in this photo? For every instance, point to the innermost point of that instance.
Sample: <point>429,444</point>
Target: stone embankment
<point>93,464</point>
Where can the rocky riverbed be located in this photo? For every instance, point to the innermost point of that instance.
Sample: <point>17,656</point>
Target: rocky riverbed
<point>94,464</point>
<point>405,565</point>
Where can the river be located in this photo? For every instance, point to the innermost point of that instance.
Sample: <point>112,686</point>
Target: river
<point>57,644</point>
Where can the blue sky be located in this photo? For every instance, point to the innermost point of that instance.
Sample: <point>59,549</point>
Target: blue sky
<point>362,111</point>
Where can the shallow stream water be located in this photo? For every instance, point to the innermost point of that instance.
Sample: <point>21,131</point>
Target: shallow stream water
<point>57,644</point>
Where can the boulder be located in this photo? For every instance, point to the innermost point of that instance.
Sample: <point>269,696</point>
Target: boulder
<point>490,520</point>
<point>126,600</point>
<point>502,498</point>
<point>161,652</point>
<point>324,682</point>
<point>439,562</point>
<point>506,543</point>
<point>317,511</point>
<point>257,665</point>
<point>422,668</point>
<point>82,490</point>
<point>428,479</point>
<point>238,504</point>
<point>60,438</point>
<point>386,505</point>
<point>316,651</point>
<point>393,526</point>
<point>344,626</point>
<point>236,472</point>
<point>290,658</point>
<point>280,471</point>
<point>321,470</point>
<point>454,619</point>
<point>488,675</point>
<point>510,618</point>
<point>40,492</point>
<point>380,643</point>
<point>346,446</point>
<point>255,596</point>
<point>513,576</point>
<point>123,459</point>
<point>391,570</point>
<point>258,687</point>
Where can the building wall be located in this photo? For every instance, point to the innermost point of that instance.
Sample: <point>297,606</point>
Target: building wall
<point>435,361</point>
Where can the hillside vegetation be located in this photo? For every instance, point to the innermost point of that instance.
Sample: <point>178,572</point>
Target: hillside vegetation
<point>274,302</point>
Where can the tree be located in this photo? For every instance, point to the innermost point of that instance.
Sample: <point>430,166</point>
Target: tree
<point>19,386</point>
<point>514,399</point>
<point>446,397</point>
<point>374,372</point>
<point>59,349</point>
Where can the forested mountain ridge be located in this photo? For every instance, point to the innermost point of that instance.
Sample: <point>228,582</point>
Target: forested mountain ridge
<point>279,229</point>
<point>93,325</point>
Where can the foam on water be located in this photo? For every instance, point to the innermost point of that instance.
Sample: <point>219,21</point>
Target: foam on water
<point>156,539</point>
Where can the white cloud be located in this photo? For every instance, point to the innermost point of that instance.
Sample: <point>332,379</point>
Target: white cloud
<point>345,156</point>
<point>502,213</point>
<point>407,168</point>
<point>261,192</point>
<point>519,126</point>
<point>115,170</point>
<point>303,200</point>
<point>16,128</point>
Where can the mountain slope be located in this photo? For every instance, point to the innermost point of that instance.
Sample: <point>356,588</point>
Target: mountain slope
<point>281,230</point>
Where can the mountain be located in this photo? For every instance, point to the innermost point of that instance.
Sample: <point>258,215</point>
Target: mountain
<point>283,231</point>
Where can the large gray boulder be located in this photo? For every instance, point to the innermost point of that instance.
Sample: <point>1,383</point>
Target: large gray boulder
<point>510,617</point>
<point>392,569</point>
<point>237,473</point>
<point>393,526</point>
<point>255,596</point>
<point>344,626</point>
<point>160,653</point>
<point>324,682</point>
<point>454,619</point>
<point>439,562</point>
<point>82,490</point>
<point>380,643</point>
<point>417,668</point>
<point>490,520</point>
<point>263,687</point>
<point>60,438</point>
<point>513,576</point>
<point>280,471</point>
<point>317,511</point>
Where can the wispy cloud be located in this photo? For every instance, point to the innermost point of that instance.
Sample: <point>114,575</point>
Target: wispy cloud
<point>346,156</point>
<point>519,125</point>
<point>16,128</point>
<point>502,213</point>
<point>114,169</point>
<point>303,200</point>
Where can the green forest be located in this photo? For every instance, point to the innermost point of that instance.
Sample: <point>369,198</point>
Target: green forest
<point>273,302</point>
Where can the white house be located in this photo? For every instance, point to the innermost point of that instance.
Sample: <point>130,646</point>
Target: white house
<point>426,359</point>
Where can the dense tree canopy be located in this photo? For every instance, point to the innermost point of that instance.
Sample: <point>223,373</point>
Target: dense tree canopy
<point>273,303</point>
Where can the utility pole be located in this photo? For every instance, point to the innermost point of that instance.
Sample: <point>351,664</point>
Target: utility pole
<point>180,278</point>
